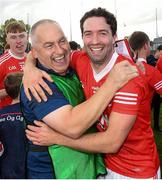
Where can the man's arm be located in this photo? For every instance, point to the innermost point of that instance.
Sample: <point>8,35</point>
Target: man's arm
<point>33,78</point>
<point>108,141</point>
<point>74,121</point>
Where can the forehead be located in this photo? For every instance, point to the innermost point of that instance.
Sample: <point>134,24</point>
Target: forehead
<point>49,32</point>
<point>16,34</point>
<point>95,23</point>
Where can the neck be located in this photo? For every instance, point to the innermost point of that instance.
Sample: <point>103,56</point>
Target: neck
<point>142,54</point>
<point>20,55</point>
<point>15,101</point>
<point>99,67</point>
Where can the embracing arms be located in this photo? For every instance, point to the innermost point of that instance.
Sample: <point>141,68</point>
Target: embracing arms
<point>74,121</point>
<point>108,141</point>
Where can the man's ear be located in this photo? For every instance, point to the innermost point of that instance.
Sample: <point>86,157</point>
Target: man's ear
<point>115,38</point>
<point>34,53</point>
<point>145,46</point>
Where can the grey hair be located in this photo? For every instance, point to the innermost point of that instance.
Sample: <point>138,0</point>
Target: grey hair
<point>35,26</point>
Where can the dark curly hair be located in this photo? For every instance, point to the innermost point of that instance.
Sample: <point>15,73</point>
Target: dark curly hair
<point>100,12</point>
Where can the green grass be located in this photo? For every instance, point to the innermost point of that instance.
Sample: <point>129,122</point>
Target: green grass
<point>158,138</point>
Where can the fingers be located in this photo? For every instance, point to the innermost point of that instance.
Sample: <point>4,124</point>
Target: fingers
<point>26,90</point>
<point>45,86</point>
<point>141,66</point>
<point>38,143</point>
<point>47,76</point>
<point>39,123</point>
<point>35,137</point>
<point>33,128</point>
<point>121,73</point>
<point>129,68</point>
<point>31,136</point>
<point>38,90</point>
<point>39,93</point>
<point>35,92</point>
<point>132,75</point>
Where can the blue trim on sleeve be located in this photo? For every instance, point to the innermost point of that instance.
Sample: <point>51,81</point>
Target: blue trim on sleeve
<point>34,110</point>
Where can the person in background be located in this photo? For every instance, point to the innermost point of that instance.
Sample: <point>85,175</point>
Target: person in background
<point>125,136</point>
<point>12,60</point>
<point>158,55</point>
<point>140,43</point>
<point>74,45</point>
<point>152,60</point>
<point>12,132</point>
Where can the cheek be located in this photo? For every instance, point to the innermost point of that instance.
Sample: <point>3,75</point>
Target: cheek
<point>86,40</point>
<point>12,44</point>
<point>24,41</point>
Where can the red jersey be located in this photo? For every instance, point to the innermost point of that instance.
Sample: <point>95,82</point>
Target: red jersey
<point>9,63</point>
<point>153,77</point>
<point>159,64</point>
<point>138,157</point>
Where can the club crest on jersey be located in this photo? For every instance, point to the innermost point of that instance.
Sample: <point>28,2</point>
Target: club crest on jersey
<point>12,68</point>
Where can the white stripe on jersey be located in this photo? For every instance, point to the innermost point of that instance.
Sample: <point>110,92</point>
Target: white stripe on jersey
<point>124,102</point>
<point>4,58</point>
<point>125,98</point>
<point>126,94</point>
<point>158,85</point>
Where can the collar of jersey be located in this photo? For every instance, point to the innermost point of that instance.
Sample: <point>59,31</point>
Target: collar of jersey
<point>70,71</point>
<point>141,60</point>
<point>16,57</point>
<point>107,68</point>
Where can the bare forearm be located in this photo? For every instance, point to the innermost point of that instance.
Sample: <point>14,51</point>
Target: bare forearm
<point>96,142</point>
<point>74,121</point>
<point>85,114</point>
<point>108,141</point>
<point>30,62</point>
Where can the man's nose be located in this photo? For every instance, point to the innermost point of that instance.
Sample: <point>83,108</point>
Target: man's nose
<point>95,39</point>
<point>18,40</point>
<point>59,49</point>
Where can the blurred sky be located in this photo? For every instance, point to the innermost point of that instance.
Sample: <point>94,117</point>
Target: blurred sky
<point>131,15</point>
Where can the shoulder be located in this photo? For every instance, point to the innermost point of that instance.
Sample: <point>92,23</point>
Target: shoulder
<point>79,55</point>
<point>159,64</point>
<point>5,57</point>
<point>41,109</point>
<point>79,59</point>
<point>122,58</point>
